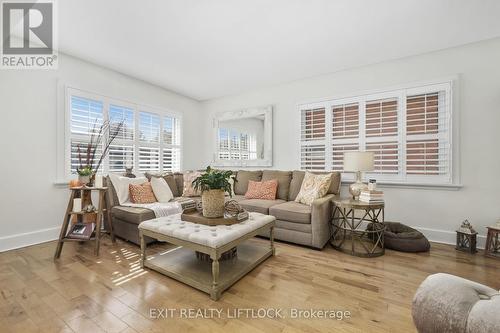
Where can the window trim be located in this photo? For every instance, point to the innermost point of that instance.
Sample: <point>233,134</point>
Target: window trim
<point>64,174</point>
<point>452,98</point>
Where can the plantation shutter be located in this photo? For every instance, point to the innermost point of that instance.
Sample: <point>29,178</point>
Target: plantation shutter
<point>313,139</point>
<point>149,142</point>
<point>86,117</point>
<point>382,135</point>
<point>345,132</point>
<point>121,151</point>
<point>171,158</point>
<point>427,134</point>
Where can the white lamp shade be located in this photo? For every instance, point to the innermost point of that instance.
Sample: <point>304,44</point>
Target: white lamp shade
<point>358,161</point>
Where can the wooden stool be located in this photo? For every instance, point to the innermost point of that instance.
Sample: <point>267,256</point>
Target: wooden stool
<point>492,248</point>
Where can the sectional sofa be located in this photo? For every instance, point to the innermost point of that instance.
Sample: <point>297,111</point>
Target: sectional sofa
<point>295,222</point>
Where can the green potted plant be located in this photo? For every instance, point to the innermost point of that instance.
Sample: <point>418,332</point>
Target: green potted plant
<point>213,184</point>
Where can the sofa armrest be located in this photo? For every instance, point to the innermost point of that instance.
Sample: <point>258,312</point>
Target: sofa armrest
<point>321,214</point>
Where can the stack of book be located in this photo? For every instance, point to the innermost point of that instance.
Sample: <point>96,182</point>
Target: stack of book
<point>373,196</point>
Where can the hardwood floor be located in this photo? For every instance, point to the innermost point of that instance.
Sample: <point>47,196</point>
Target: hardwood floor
<point>111,293</point>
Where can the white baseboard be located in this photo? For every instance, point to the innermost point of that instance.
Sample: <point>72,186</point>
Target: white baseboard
<point>49,234</point>
<point>28,238</point>
<point>447,237</point>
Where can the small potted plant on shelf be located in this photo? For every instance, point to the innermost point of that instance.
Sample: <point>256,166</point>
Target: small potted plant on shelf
<point>213,185</point>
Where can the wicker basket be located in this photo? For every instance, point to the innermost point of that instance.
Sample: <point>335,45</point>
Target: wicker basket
<point>213,203</point>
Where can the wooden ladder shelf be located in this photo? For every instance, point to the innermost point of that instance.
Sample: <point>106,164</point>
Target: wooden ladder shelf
<point>102,208</point>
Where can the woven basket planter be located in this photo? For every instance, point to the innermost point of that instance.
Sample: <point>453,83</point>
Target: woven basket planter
<point>213,203</point>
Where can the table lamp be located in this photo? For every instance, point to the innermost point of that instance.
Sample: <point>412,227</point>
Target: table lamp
<point>358,161</point>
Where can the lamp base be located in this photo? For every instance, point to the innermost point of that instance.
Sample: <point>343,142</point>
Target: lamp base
<point>358,186</point>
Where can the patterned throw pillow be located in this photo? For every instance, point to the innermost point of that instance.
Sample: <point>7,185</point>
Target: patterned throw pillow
<point>142,193</point>
<point>262,190</point>
<point>313,187</point>
<point>188,184</point>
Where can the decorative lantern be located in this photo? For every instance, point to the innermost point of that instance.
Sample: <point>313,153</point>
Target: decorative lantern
<point>466,238</point>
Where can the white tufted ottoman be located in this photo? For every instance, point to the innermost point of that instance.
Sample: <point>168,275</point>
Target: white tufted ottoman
<point>181,263</point>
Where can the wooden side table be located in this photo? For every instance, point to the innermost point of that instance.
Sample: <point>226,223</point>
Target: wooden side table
<point>102,208</point>
<point>349,233</point>
<point>492,248</point>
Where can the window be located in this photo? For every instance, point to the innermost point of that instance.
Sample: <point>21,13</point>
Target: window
<point>409,131</point>
<point>149,140</point>
<point>234,144</point>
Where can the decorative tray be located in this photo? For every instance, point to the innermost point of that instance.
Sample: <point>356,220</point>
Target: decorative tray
<point>197,217</point>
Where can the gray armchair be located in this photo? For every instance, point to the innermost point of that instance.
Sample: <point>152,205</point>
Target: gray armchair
<point>446,303</point>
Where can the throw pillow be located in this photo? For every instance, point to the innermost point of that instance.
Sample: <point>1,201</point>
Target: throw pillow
<point>188,184</point>
<point>161,190</point>
<point>121,186</point>
<point>313,187</point>
<point>142,193</point>
<point>262,190</point>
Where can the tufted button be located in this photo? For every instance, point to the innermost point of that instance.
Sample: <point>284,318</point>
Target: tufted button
<point>214,234</point>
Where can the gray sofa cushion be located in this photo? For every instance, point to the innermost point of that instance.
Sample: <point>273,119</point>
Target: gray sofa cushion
<point>242,178</point>
<point>298,177</point>
<point>236,197</point>
<point>292,211</point>
<point>302,227</point>
<point>283,178</point>
<point>259,205</point>
<point>132,214</point>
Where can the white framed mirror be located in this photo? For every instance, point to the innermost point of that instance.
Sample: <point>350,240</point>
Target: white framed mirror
<point>244,138</point>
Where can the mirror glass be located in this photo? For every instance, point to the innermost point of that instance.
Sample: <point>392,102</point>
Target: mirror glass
<point>243,138</point>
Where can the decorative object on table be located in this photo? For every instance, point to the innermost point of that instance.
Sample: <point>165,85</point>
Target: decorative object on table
<point>81,231</point>
<point>466,227</point>
<point>400,237</point>
<point>358,161</point>
<point>466,238</point>
<point>75,183</point>
<point>98,181</point>
<point>213,184</point>
<point>86,153</point>
<point>84,175</point>
<point>102,212</point>
<point>77,205</point>
<point>234,210</point>
<point>89,208</point>
<point>128,172</point>
<point>348,235</point>
<point>492,247</point>
<point>313,187</point>
<point>371,196</point>
<point>199,218</point>
<point>372,184</point>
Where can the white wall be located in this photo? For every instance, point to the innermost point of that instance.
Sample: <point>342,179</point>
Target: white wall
<point>437,212</point>
<point>31,206</point>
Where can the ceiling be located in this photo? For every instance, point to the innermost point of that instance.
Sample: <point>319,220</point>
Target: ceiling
<point>208,49</point>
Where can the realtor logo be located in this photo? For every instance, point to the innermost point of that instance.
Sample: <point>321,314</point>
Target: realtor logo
<point>28,32</point>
